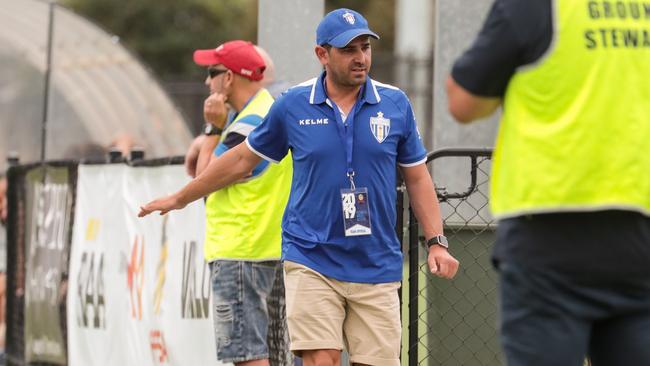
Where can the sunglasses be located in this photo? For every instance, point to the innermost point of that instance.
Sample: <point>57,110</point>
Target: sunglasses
<point>213,72</point>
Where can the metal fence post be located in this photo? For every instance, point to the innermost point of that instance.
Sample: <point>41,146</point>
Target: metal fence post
<point>414,286</point>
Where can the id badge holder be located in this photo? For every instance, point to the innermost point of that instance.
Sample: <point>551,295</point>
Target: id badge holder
<point>356,211</point>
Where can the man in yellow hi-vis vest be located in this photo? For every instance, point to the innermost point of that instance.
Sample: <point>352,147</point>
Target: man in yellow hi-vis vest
<point>243,233</point>
<point>570,177</point>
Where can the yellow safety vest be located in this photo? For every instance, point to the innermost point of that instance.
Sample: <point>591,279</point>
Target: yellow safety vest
<point>575,134</point>
<point>243,220</point>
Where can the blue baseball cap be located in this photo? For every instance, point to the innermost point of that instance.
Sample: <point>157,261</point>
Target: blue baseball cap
<point>341,26</point>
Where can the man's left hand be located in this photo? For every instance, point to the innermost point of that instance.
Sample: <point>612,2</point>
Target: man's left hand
<point>215,110</point>
<point>441,263</point>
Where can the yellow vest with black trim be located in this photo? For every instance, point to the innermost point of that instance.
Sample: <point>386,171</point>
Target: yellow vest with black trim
<point>575,134</point>
<point>243,220</point>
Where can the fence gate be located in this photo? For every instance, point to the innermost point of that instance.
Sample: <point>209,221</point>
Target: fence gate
<point>453,323</point>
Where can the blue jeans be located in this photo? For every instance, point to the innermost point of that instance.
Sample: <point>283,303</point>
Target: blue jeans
<point>551,318</point>
<point>240,290</point>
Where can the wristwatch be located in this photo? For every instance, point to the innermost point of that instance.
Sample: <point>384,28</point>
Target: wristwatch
<point>210,130</point>
<point>438,240</point>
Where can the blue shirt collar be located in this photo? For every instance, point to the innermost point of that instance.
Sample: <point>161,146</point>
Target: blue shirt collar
<point>368,93</point>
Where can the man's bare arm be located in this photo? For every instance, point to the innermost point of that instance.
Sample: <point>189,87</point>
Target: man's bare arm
<point>192,155</point>
<point>466,107</point>
<point>233,165</point>
<point>215,112</point>
<point>206,154</point>
<point>424,201</point>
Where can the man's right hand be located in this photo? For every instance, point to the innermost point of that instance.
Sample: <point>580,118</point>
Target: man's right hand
<point>164,205</point>
<point>215,110</point>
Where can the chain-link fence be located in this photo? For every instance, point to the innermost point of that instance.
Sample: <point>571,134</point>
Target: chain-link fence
<point>453,323</point>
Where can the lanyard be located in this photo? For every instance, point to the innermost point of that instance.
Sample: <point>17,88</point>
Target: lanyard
<point>346,133</point>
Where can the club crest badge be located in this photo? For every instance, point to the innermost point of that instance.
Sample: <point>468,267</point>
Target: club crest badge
<point>380,127</point>
<point>349,17</point>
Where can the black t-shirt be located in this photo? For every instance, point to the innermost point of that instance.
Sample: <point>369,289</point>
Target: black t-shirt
<point>515,33</point>
<point>518,33</point>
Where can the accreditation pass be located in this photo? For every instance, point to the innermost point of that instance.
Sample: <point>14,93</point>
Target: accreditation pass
<point>356,211</point>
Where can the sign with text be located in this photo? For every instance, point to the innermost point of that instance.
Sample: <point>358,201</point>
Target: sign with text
<point>49,200</point>
<point>139,290</point>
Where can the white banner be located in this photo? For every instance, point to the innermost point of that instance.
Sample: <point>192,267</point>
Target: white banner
<point>139,289</point>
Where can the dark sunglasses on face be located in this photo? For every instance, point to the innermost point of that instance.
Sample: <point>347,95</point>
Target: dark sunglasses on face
<point>213,72</point>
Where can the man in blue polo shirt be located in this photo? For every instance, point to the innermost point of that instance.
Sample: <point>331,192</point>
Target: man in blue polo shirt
<point>343,263</point>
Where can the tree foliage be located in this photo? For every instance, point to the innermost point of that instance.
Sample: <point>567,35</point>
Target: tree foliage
<point>164,33</point>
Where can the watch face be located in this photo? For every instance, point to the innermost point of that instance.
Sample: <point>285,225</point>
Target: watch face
<point>207,129</point>
<point>210,130</point>
<point>438,240</point>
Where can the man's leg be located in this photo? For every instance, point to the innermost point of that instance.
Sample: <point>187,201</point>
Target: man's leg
<point>623,338</point>
<point>263,362</point>
<point>544,318</point>
<point>373,328</point>
<point>321,357</point>
<point>315,314</point>
<point>240,291</point>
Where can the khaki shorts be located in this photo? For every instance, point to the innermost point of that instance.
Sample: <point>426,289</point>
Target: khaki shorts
<point>324,313</point>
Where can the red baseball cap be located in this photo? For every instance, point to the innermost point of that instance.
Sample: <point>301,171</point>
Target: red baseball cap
<point>238,56</point>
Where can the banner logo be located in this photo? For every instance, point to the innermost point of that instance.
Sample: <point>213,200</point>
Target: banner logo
<point>92,229</point>
<point>161,269</point>
<point>51,208</point>
<point>48,238</point>
<point>158,347</point>
<point>135,277</point>
<point>90,292</point>
<point>195,297</point>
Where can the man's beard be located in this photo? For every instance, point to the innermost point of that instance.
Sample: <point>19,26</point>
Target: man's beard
<point>348,81</point>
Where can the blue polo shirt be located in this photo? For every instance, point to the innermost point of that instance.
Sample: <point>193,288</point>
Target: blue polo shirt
<point>384,133</point>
